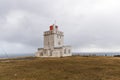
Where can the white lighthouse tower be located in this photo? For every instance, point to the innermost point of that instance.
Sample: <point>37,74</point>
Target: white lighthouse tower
<point>54,44</point>
<point>53,38</point>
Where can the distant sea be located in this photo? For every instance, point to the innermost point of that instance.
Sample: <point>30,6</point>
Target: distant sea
<point>96,53</point>
<point>17,55</point>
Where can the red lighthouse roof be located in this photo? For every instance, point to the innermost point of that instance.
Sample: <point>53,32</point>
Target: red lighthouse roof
<point>53,27</point>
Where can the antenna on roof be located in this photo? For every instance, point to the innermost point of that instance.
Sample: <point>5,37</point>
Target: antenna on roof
<point>55,22</point>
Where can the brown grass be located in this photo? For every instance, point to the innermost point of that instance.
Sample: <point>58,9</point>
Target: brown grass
<point>69,68</point>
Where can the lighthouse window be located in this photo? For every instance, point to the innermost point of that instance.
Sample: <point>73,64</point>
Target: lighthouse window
<point>41,54</point>
<point>60,37</point>
<point>69,51</point>
<point>50,53</point>
<point>48,43</point>
<point>65,51</point>
<point>59,43</point>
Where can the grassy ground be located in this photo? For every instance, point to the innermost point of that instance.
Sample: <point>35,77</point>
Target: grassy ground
<point>69,68</point>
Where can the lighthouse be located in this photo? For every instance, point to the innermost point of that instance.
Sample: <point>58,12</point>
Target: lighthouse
<point>54,44</point>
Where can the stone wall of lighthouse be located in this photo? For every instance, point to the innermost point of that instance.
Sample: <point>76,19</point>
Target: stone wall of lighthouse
<point>54,44</point>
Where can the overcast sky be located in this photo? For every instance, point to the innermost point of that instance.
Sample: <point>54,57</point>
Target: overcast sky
<point>87,24</point>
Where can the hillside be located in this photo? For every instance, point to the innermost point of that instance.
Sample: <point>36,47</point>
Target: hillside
<point>69,68</point>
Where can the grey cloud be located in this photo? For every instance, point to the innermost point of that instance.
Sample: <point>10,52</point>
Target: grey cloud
<point>84,22</point>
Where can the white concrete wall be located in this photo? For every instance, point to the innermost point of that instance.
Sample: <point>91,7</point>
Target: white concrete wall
<point>53,39</point>
<point>67,51</point>
<point>49,41</point>
<point>58,39</point>
<point>60,52</point>
<point>38,54</point>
